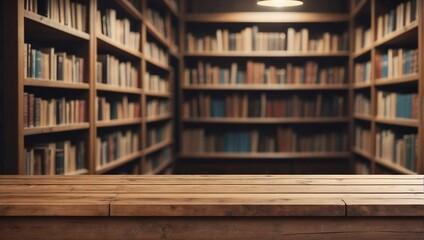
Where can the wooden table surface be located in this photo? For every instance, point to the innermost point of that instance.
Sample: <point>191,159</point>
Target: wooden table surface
<point>225,197</point>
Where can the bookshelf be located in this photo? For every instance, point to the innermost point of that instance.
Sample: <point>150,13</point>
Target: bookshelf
<point>215,45</point>
<point>391,88</point>
<point>81,96</point>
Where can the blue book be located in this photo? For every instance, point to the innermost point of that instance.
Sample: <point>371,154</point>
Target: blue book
<point>38,64</point>
<point>384,66</point>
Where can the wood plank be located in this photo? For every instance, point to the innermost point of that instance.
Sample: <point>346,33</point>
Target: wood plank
<point>55,204</point>
<point>228,207</point>
<point>287,228</point>
<point>385,207</point>
<point>240,179</point>
<point>216,189</point>
<point>183,180</point>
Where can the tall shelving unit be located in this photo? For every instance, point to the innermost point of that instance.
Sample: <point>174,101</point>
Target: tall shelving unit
<point>206,24</point>
<point>405,35</point>
<point>91,45</point>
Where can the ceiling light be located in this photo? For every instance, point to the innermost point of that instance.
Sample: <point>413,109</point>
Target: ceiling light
<point>280,3</point>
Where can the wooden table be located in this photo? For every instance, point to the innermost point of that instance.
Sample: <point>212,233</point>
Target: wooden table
<point>212,207</point>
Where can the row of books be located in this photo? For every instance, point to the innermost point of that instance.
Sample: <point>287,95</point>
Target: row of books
<point>363,139</point>
<point>55,158</point>
<point>263,106</point>
<point>66,12</point>
<point>404,14</point>
<point>362,104</point>
<point>259,73</point>
<point>362,38</point>
<point>250,39</point>
<point>110,70</point>
<point>396,63</point>
<point>40,112</point>
<point>397,105</point>
<point>156,107</point>
<point>154,160</point>
<point>115,145</point>
<point>363,72</point>
<point>45,63</point>
<point>119,30</point>
<point>199,140</point>
<point>158,134</point>
<point>397,148</point>
<point>117,108</point>
<point>158,21</point>
<point>153,52</point>
<point>155,83</point>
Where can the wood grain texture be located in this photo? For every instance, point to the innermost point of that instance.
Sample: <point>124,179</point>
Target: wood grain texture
<point>212,207</point>
<point>212,228</point>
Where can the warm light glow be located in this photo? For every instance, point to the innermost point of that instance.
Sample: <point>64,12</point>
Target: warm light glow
<point>280,3</point>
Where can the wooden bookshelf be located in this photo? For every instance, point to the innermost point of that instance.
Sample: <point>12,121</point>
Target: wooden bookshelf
<point>397,121</point>
<point>118,162</point>
<point>266,54</point>
<point>266,87</point>
<point>120,122</point>
<point>249,120</point>
<point>55,84</point>
<point>47,26</point>
<point>277,156</point>
<point>117,48</point>
<point>157,147</point>
<point>411,78</point>
<point>117,89</point>
<point>159,118</point>
<point>202,23</point>
<point>268,17</point>
<point>43,31</point>
<point>55,129</point>
<point>406,36</point>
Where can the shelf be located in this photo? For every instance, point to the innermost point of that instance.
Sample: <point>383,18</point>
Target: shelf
<point>38,27</point>
<point>173,51</point>
<point>131,9</point>
<point>77,172</point>
<point>359,7</point>
<point>266,17</point>
<point>106,43</point>
<point>265,54</point>
<point>172,9</point>
<point>266,87</point>
<point>158,94</point>
<point>393,166</point>
<point>410,78</point>
<point>157,64</point>
<point>117,89</point>
<point>363,153</point>
<point>118,162</point>
<point>114,123</point>
<point>404,34</point>
<point>304,155</point>
<point>362,52</point>
<point>55,129</point>
<point>157,147</point>
<point>292,120</point>
<point>363,117</point>
<point>398,121</point>
<point>55,84</point>
<point>361,85</point>
<point>158,118</point>
<point>156,34</point>
<point>160,168</point>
